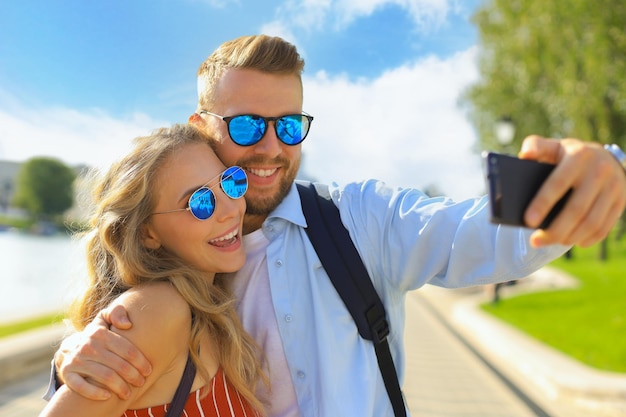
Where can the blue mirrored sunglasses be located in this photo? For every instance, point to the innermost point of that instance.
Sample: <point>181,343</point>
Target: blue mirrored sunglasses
<point>201,205</point>
<point>249,129</point>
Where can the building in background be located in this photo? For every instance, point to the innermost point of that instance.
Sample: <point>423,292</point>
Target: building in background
<point>8,183</point>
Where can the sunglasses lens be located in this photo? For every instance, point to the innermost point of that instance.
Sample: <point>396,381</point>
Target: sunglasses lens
<point>202,203</point>
<point>234,182</point>
<point>292,129</point>
<point>246,130</point>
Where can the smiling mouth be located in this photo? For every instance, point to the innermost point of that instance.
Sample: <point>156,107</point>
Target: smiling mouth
<point>226,240</point>
<point>262,172</point>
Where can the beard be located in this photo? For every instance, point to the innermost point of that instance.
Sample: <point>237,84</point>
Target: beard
<point>265,205</point>
<point>262,204</point>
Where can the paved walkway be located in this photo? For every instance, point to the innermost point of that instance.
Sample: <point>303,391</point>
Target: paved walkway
<point>451,373</point>
<point>548,382</point>
<point>23,398</point>
<point>444,378</point>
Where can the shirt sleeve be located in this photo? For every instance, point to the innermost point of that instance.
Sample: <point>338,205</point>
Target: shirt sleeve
<point>409,239</point>
<point>53,383</point>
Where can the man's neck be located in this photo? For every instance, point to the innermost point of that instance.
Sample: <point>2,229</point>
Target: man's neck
<point>252,222</point>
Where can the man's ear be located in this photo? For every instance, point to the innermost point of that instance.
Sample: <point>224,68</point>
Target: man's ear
<point>149,238</point>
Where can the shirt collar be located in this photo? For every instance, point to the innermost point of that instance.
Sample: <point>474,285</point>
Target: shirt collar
<point>290,208</point>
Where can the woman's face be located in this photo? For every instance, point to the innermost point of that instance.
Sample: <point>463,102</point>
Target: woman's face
<point>211,245</point>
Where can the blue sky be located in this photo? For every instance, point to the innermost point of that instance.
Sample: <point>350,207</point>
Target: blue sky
<point>79,79</point>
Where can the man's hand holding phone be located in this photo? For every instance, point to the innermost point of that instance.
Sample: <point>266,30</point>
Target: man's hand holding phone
<point>596,200</point>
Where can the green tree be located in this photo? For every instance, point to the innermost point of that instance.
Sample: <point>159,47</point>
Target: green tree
<point>556,68</point>
<point>44,187</point>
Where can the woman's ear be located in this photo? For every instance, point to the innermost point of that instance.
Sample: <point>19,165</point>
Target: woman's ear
<point>149,238</point>
<point>196,120</point>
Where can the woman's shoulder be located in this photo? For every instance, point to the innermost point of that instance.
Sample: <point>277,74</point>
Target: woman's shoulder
<point>157,311</point>
<point>155,300</point>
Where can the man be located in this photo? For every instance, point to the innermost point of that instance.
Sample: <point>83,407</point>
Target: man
<point>318,364</point>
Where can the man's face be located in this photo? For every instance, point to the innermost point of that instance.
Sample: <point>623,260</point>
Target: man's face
<point>270,164</point>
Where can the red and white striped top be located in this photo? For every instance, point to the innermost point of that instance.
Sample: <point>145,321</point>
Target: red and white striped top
<point>222,401</point>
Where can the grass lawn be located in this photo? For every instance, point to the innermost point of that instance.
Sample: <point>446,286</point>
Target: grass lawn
<point>588,323</point>
<point>8,329</point>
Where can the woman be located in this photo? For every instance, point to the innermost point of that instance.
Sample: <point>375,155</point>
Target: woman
<point>168,217</point>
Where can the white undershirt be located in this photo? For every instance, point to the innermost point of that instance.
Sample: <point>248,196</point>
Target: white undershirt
<point>256,311</point>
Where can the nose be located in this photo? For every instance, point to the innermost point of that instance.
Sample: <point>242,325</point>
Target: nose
<point>225,207</point>
<point>269,144</point>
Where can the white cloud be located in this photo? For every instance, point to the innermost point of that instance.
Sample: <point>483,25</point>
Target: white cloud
<point>294,17</point>
<point>315,15</point>
<point>281,29</point>
<point>404,127</point>
<point>90,137</point>
<point>423,12</point>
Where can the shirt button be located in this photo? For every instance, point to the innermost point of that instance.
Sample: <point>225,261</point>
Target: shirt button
<point>301,374</point>
<point>279,263</point>
<point>288,318</point>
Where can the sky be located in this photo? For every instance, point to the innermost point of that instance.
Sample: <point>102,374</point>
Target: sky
<point>80,79</point>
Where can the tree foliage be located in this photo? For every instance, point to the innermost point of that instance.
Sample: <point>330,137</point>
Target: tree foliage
<point>556,68</point>
<point>44,187</point>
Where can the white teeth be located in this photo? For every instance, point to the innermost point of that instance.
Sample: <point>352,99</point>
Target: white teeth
<point>225,237</point>
<point>262,172</point>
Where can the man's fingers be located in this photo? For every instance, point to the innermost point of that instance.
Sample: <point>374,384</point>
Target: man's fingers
<point>127,360</point>
<point>541,149</point>
<point>116,316</point>
<point>78,384</point>
<point>584,209</point>
<point>598,191</point>
<point>116,352</point>
<point>560,181</point>
<point>117,366</point>
<point>591,231</point>
<point>94,378</point>
<point>101,341</point>
<point>99,360</point>
<point>597,199</point>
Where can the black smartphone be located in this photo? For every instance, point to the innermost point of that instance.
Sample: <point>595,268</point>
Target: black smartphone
<point>512,183</point>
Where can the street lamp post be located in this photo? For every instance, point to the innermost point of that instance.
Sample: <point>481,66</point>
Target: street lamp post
<point>504,130</point>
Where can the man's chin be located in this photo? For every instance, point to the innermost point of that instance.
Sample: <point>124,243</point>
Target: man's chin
<point>262,206</point>
<point>263,203</point>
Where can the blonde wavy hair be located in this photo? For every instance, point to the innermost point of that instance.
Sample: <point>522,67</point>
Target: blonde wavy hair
<point>270,54</point>
<point>117,260</point>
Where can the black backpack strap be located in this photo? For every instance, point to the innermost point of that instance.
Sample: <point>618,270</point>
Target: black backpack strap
<point>344,266</point>
<point>182,392</point>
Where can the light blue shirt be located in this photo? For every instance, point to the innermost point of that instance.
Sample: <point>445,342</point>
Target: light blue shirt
<point>405,240</point>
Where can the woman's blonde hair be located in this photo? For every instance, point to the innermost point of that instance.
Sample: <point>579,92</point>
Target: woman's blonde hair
<point>117,260</point>
<point>269,54</point>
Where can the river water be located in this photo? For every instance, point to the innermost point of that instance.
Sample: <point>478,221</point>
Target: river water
<point>39,274</point>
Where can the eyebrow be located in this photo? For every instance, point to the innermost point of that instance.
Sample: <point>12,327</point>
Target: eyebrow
<point>187,193</point>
